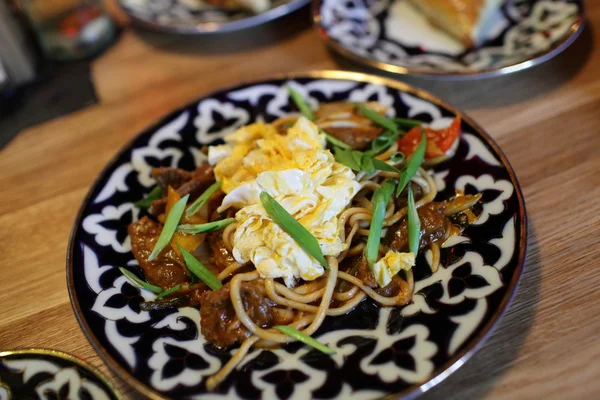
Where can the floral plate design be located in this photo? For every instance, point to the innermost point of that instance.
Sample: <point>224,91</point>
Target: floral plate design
<point>194,17</point>
<point>391,35</point>
<point>50,374</point>
<point>379,352</point>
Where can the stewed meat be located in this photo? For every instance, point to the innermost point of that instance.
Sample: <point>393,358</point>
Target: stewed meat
<point>221,326</point>
<point>435,227</point>
<point>166,270</point>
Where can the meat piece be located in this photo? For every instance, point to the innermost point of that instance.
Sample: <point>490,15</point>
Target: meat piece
<point>201,179</point>
<point>219,322</point>
<point>358,137</point>
<point>343,121</point>
<point>166,270</point>
<point>222,257</point>
<point>435,227</point>
<point>167,176</point>
<point>393,288</point>
<point>402,200</point>
<point>363,272</point>
<point>193,183</point>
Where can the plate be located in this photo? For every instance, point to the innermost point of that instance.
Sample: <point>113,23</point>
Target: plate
<point>50,374</point>
<point>379,351</point>
<point>392,36</point>
<point>188,17</point>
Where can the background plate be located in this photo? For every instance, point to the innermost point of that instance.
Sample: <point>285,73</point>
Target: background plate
<point>391,35</point>
<point>378,351</point>
<point>181,16</point>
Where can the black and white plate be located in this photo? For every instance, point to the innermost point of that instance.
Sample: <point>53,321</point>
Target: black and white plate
<point>379,351</point>
<point>195,17</point>
<point>391,35</point>
<point>49,374</point>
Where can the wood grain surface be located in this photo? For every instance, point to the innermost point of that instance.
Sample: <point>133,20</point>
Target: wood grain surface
<point>547,121</point>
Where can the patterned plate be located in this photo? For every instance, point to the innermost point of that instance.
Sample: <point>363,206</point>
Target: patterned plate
<point>378,351</point>
<point>194,17</point>
<point>393,36</point>
<point>50,374</point>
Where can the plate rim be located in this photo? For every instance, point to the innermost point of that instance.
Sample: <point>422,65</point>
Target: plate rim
<point>212,28</point>
<point>560,46</point>
<point>454,362</point>
<point>79,362</point>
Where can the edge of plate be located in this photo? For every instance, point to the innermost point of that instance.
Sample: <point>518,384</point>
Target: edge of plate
<point>574,32</point>
<point>68,357</point>
<point>455,362</point>
<point>211,28</point>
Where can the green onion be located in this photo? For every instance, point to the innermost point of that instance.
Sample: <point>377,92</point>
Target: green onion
<point>208,227</point>
<point>414,224</point>
<point>407,123</point>
<point>146,202</point>
<point>138,282</point>
<point>304,338</point>
<point>360,161</point>
<point>301,103</point>
<point>413,164</point>
<point>380,199</point>
<point>289,224</point>
<point>378,118</point>
<point>398,157</point>
<point>335,141</point>
<point>199,270</point>
<point>169,291</point>
<point>383,142</point>
<point>200,201</point>
<point>170,226</point>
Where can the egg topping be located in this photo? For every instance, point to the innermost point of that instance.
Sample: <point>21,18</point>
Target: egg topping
<point>303,176</point>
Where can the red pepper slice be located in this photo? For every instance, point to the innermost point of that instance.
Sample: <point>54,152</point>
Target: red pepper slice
<point>439,141</point>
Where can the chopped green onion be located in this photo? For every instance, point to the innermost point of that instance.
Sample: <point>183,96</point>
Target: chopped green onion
<point>199,270</point>
<point>383,166</point>
<point>203,228</point>
<point>138,282</point>
<point>383,142</point>
<point>380,200</point>
<point>146,202</point>
<point>289,224</point>
<point>335,141</point>
<point>170,226</point>
<point>169,291</point>
<point>378,118</point>
<point>407,123</point>
<point>200,201</point>
<point>304,338</point>
<point>414,224</point>
<point>413,164</point>
<point>163,303</point>
<point>398,157</point>
<point>301,103</point>
<point>360,161</point>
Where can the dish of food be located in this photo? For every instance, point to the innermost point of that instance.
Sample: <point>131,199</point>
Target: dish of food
<point>50,374</point>
<point>449,39</point>
<point>206,16</point>
<point>292,229</point>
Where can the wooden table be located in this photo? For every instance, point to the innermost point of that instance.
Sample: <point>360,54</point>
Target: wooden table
<point>546,119</point>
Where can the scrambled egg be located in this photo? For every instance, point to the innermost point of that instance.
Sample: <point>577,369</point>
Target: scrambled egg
<point>390,265</point>
<point>302,176</point>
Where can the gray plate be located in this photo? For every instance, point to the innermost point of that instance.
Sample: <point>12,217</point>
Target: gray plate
<point>180,16</point>
<point>392,36</point>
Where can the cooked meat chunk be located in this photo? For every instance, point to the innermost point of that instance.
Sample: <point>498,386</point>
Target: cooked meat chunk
<point>435,227</point>
<point>222,257</point>
<point>363,271</point>
<point>185,182</point>
<point>166,270</point>
<point>343,121</point>
<point>220,324</point>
